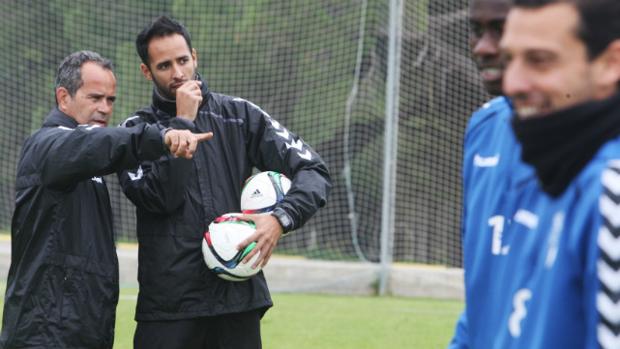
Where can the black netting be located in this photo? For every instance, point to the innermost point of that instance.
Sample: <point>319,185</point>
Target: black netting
<point>319,67</point>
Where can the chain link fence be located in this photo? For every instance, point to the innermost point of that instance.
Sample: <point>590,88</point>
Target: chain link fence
<point>318,67</point>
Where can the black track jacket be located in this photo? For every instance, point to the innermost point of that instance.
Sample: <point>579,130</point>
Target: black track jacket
<point>62,287</point>
<point>176,200</point>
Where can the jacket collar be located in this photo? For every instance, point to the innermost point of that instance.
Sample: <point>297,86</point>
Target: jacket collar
<point>57,118</point>
<point>169,106</point>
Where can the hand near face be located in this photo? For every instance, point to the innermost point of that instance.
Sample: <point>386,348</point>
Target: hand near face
<point>267,234</point>
<point>189,97</point>
<point>183,143</point>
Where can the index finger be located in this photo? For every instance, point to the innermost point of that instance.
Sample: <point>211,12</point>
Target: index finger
<point>256,250</point>
<point>250,239</point>
<point>192,83</point>
<point>200,137</point>
<point>246,217</point>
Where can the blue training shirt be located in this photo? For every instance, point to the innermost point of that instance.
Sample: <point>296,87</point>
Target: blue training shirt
<point>533,264</point>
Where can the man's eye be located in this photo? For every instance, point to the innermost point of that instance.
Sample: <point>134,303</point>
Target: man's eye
<point>505,58</point>
<point>476,29</point>
<point>539,59</point>
<point>497,28</point>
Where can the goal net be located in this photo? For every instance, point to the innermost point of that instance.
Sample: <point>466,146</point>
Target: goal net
<point>318,67</point>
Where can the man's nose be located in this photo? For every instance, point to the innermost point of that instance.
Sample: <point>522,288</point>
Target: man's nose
<point>177,71</point>
<point>105,107</point>
<point>487,45</point>
<point>516,79</point>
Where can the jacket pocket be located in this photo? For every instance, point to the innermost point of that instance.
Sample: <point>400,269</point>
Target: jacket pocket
<point>88,308</point>
<point>38,318</point>
<point>72,303</point>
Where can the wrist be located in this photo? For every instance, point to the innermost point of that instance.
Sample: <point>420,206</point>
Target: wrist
<point>186,116</point>
<point>284,219</point>
<point>163,136</point>
<point>182,123</point>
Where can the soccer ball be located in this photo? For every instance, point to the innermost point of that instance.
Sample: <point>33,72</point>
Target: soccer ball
<point>263,191</point>
<point>219,248</point>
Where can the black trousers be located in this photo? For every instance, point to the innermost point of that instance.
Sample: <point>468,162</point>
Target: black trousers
<point>229,331</point>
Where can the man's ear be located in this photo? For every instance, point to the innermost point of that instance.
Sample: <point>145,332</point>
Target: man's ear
<point>195,58</point>
<point>62,98</point>
<point>146,71</point>
<point>607,68</point>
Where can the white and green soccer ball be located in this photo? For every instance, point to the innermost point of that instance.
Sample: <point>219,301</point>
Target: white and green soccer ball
<point>219,248</point>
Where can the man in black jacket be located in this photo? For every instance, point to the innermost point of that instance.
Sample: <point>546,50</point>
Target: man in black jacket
<point>181,303</point>
<point>62,287</point>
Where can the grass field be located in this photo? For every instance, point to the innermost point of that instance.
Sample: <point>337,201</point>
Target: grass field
<point>311,321</point>
<point>301,321</point>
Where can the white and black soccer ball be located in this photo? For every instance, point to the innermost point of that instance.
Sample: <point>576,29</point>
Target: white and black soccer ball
<point>263,191</point>
<point>219,248</point>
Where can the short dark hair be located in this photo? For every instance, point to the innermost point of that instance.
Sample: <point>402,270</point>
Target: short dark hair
<point>599,21</point>
<point>69,74</point>
<point>159,27</point>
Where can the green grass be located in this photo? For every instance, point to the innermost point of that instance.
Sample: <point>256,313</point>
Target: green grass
<point>125,324</point>
<point>303,321</point>
<point>343,322</point>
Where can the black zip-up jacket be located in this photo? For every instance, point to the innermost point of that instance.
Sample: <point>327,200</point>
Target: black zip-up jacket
<point>176,200</point>
<point>62,286</point>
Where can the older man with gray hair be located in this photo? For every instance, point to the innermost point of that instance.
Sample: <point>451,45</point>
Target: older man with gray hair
<point>62,287</point>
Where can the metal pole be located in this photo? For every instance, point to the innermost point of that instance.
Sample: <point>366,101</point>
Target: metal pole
<point>391,142</point>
